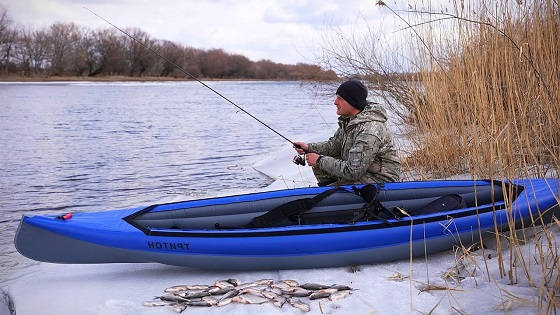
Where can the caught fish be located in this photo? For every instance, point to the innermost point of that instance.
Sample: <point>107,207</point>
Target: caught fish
<point>291,283</point>
<point>279,301</point>
<point>155,303</point>
<point>340,287</point>
<point>220,291</point>
<point>234,282</point>
<point>264,282</point>
<point>212,300</point>
<point>321,294</point>
<point>222,284</point>
<point>299,305</point>
<point>339,295</point>
<point>171,298</point>
<point>224,292</point>
<point>179,307</point>
<point>252,291</point>
<point>249,299</point>
<point>225,301</point>
<point>197,287</point>
<point>244,286</point>
<point>176,288</point>
<point>185,287</point>
<point>331,290</point>
<point>314,286</point>
<point>252,285</point>
<point>193,294</point>
<point>229,294</point>
<point>299,292</point>
<point>269,295</point>
<point>256,288</point>
<point>200,303</point>
<point>286,288</point>
<point>276,290</point>
<point>261,287</point>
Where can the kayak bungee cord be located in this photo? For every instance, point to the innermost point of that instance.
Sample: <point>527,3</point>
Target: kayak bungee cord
<point>192,77</point>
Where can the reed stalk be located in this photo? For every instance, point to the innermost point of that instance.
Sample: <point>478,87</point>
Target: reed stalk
<point>487,103</point>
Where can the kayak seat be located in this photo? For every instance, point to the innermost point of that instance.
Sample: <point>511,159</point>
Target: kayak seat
<point>443,204</point>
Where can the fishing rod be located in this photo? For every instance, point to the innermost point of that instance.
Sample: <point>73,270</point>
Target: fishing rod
<point>190,75</point>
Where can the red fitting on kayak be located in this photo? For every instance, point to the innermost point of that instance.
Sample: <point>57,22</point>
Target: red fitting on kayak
<point>65,216</point>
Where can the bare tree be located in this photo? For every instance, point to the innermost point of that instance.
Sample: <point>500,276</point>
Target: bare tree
<point>110,56</point>
<point>64,39</point>
<point>69,49</point>
<point>377,63</point>
<point>190,62</point>
<point>171,51</point>
<point>88,50</point>
<point>8,39</point>
<point>139,58</point>
<point>239,66</point>
<point>214,63</point>
<point>33,51</point>
<point>81,51</point>
<point>266,69</point>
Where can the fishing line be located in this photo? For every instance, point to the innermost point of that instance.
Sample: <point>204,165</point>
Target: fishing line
<point>188,74</point>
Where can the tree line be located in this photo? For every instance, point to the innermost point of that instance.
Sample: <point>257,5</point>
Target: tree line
<point>67,49</point>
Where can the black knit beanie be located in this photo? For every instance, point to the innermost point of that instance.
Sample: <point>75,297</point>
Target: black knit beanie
<point>354,92</point>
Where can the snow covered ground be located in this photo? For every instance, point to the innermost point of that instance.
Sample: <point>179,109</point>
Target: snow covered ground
<point>393,288</point>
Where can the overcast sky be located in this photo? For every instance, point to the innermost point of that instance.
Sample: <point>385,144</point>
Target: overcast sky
<point>286,31</point>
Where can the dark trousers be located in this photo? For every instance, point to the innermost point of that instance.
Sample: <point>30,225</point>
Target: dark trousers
<point>323,179</point>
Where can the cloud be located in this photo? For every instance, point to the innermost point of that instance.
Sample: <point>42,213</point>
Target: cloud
<point>312,12</point>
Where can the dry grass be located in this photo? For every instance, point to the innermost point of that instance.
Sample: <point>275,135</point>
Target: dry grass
<point>511,301</point>
<point>489,105</point>
<point>484,100</point>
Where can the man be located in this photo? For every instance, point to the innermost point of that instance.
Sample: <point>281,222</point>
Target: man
<point>361,150</point>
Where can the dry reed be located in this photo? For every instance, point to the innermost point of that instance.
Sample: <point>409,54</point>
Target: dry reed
<point>489,105</point>
<point>479,95</point>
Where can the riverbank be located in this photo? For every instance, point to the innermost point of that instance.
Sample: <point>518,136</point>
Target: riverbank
<point>110,79</point>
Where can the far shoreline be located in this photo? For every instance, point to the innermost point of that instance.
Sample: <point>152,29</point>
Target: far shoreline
<point>127,78</point>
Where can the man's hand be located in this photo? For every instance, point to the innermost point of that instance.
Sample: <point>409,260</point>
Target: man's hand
<point>301,147</point>
<point>311,158</point>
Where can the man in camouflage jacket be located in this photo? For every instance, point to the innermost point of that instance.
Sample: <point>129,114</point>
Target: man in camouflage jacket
<point>361,150</point>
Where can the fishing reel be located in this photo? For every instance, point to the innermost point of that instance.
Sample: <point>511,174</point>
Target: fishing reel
<point>299,160</point>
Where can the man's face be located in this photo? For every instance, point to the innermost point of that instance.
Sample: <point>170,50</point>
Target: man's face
<point>343,108</point>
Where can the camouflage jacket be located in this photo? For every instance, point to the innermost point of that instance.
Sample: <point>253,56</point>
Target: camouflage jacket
<point>361,150</point>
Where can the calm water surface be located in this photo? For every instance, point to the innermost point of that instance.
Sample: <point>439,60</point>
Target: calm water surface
<point>94,146</point>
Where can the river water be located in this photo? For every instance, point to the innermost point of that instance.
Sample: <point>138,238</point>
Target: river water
<point>84,146</point>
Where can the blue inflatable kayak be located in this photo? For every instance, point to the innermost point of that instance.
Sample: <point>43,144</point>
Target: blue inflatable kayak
<point>294,228</point>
